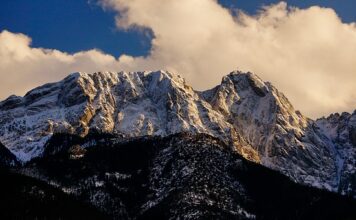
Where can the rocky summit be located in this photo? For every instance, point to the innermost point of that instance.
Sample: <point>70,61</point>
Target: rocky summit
<point>245,113</point>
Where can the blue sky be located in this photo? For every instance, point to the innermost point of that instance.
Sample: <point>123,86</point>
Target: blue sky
<point>72,26</point>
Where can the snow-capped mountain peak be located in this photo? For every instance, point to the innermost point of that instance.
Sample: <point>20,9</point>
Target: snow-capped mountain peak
<point>134,104</point>
<point>251,116</point>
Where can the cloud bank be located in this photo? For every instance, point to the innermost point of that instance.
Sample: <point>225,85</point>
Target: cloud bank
<point>309,54</point>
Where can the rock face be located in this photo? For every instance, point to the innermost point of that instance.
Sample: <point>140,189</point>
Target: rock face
<point>341,130</point>
<point>247,114</point>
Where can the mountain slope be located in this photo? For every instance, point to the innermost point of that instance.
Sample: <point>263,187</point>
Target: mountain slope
<point>179,176</point>
<point>252,117</point>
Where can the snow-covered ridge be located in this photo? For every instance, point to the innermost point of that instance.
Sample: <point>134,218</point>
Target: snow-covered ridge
<point>133,104</point>
<point>252,116</point>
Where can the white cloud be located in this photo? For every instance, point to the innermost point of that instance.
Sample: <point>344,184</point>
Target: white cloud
<point>309,54</point>
<point>23,67</point>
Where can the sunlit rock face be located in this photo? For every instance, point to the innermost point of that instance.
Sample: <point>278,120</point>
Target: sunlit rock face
<point>133,104</point>
<point>247,114</point>
<point>284,139</point>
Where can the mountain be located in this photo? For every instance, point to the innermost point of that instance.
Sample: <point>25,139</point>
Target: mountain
<point>250,116</point>
<point>284,139</point>
<point>134,104</point>
<point>180,176</point>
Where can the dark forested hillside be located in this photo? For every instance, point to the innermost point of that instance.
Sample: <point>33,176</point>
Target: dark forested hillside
<point>26,198</point>
<point>179,176</point>
<point>6,157</point>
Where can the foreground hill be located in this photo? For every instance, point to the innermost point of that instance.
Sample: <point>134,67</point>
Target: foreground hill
<point>179,176</point>
<point>27,198</point>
